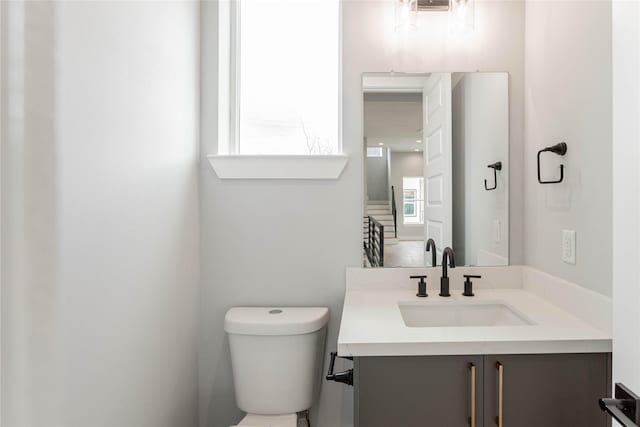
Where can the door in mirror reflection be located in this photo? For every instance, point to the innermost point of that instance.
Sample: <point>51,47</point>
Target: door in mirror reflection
<point>429,140</point>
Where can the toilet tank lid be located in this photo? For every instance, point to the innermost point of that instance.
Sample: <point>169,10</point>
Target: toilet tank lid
<point>275,320</point>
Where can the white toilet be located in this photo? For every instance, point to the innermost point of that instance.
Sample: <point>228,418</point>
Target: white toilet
<point>276,356</point>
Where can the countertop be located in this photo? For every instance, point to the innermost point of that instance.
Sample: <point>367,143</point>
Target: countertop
<point>372,325</point>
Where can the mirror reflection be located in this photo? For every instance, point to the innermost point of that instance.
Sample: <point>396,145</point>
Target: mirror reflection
<point>436,165</point>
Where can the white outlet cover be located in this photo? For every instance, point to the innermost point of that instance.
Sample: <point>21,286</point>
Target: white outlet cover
<point>569,246</point>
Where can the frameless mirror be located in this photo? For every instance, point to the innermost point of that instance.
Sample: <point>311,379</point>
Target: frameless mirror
<point>436,166</point>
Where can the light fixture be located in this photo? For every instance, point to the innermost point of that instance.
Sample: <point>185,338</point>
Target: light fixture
<point>418,141</point>
<point>405,11</point>
<point>462,16</point>
<point>461,13</point>
<point>416,149</point>
<point>381,143</point>
<point>433,5</point>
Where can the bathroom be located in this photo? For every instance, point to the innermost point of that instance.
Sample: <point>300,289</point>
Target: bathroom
<point>127,236</point>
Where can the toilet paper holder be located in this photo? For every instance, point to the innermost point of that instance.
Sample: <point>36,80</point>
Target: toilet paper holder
<point>345,377</point>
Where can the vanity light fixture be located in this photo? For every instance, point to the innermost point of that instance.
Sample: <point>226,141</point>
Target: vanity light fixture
<point>433,5</point>
<point>461,13</point>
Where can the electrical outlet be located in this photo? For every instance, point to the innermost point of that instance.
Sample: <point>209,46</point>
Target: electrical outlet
<point>569,246</point>
<point>496,230</point>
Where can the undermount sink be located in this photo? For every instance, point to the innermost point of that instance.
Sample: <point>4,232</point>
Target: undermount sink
<point>451,314</point>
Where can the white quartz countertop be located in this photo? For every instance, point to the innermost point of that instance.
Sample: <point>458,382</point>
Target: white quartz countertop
<point>372,325</point>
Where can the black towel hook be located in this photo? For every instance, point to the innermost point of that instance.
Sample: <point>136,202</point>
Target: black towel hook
<point>497,166</point>
<point>560,149</point>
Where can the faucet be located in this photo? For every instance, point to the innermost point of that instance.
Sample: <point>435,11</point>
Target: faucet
<point>444,280</point>
<point>431,246</point>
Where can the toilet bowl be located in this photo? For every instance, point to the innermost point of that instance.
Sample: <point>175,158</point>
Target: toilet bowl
<point>253,420</point>
<point>276,359</point>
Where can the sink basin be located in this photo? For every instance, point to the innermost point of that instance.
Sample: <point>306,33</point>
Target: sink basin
<point>451,314</point>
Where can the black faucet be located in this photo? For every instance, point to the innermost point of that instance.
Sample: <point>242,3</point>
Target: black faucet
<point>444,280</point>
<point>431,246</point>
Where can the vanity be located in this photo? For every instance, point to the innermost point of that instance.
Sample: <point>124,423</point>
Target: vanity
<point>527,349</point>
<point>511,346</point>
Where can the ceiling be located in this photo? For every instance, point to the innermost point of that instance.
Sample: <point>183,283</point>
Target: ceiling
<point>393,120</point>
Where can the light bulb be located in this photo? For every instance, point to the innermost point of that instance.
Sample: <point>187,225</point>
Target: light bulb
<point>406,11</point>
<point>462,16</point>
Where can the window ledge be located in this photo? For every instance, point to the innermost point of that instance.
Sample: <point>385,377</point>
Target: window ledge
<point>278,167</point>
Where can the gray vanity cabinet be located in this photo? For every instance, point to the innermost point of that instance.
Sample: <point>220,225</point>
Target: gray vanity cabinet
<point>432,391</point>
<point>550,390</point>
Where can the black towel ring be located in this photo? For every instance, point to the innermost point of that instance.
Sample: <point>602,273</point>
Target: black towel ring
<point>497,166</point>
<point>560,149</point>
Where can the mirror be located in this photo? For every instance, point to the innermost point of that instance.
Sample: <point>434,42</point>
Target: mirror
<point>436,166</point>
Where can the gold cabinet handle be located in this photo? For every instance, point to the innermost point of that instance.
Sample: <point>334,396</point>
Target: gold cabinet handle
<point>500,368</point>
<point>472,418</point>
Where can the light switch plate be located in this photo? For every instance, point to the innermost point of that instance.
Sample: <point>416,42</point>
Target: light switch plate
<point>569,246</point>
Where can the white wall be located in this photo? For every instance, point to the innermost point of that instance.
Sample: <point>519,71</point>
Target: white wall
<point>289,242</point>
<point>626,190</point>
<point>568,98</point>
<point>99,193</point>
<point>378,177</point>
<point>406,164</point>
<point>481,137</point>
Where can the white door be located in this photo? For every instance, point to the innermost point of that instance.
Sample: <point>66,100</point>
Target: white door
<point>436,108</point>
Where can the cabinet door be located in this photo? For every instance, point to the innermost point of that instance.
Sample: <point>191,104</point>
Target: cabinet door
<point>433,391</point>
<point>554,390</point>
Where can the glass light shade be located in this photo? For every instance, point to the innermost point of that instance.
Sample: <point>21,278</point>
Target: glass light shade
<point>406,13</point>
<point>462,16</point>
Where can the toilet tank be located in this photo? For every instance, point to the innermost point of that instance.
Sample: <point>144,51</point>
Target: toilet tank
<point>276,357</point>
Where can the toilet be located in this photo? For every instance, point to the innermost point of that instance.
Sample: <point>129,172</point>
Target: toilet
<point>276,359</point>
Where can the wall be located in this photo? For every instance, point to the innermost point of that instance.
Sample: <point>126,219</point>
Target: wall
<point>406,164</point>
<point>99,196</point>
<point>481,137</point>
<point>288,242</point>
<point>626,188</point>
<point>568,98</point>
<point>458,160</point>
<point>377,177</point>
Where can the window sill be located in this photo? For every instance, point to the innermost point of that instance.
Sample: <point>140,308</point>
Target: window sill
<point>277,166</point>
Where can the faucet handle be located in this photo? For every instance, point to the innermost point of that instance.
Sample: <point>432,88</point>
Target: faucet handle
<point>422,286</point>
<point>468,285</point>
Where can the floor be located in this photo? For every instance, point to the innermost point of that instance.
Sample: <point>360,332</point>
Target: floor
<point>404,253</point>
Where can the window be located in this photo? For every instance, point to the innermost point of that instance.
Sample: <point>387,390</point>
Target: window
<point>413,200</point>
<point>374,151</point>
<point>287,68</point>
<point>278,89</point>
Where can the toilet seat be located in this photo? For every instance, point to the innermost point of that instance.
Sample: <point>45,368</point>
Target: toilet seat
<point>254,420</point>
